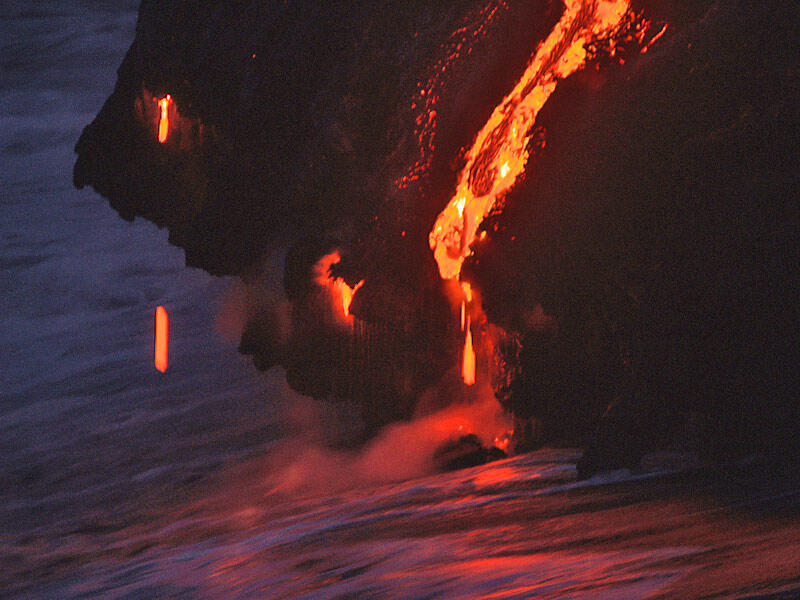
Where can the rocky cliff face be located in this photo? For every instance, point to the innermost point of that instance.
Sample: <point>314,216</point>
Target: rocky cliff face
<point>647,261</point>
<point>290,126</point>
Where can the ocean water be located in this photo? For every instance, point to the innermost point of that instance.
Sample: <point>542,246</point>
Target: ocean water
<point>213,481</point>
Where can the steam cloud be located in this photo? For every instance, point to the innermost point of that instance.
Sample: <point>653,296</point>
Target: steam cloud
<point>307,465</point>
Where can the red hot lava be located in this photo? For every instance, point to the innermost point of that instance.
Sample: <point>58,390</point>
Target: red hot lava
<point>161,358</point>
<point>500,151</point>
<point>163,122</point>
<point>341,294</point>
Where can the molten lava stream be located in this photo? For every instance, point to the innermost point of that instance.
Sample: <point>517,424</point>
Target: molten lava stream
<point>346,293</point>
<point>468,363</point>
<point>341,293</point>
<point>468,357</point>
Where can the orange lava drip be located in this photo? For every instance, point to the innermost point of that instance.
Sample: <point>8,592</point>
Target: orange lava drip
<point>163,123</point>
<point>499,154</point>
<point>346,293</point>
<point>468,359</point>
<point>162,339</point>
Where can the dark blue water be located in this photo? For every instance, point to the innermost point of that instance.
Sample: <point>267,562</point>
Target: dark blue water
<point>212,480</point>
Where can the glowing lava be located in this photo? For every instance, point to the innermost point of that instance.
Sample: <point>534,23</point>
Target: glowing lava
<point>468,364</point>
<point>163,123</point>
<point>161,339</point>
<point>346,293</point>
<point>341,293</point>
<point>468,356</point>
<point>499,153</point>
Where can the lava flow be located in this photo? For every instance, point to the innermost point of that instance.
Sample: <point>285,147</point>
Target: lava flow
<point>468,364</point>
<point>161,357</point>
<point>341,292</point>
<point>163,123</point>
<point>468,359</point>
<point>499,153</point>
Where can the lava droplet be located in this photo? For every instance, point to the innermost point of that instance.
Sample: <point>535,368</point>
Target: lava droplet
<point>162,339</point>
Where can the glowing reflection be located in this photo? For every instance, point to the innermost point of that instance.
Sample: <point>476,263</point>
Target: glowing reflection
<point>162,339</point>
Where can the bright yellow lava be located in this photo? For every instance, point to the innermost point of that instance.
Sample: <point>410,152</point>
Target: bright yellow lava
<point>499,154</point>
<point>161,357</point>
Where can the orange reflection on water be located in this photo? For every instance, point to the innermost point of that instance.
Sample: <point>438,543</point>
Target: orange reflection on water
<point>500,152</point>
<point>161,358</point>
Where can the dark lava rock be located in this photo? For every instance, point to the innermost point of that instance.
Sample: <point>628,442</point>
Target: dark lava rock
<point>464,452</point>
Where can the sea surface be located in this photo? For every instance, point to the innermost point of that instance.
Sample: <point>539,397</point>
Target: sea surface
<point>214,480</point>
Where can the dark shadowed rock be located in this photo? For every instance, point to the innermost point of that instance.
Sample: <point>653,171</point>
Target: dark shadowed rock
<point>464,452</point>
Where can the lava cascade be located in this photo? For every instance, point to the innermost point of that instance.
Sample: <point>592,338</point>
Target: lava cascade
<point>500,151</point>
<point>161,355</point>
